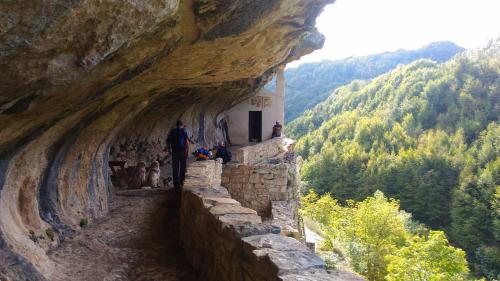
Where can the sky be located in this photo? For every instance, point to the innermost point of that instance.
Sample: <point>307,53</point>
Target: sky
<point>362,27</point>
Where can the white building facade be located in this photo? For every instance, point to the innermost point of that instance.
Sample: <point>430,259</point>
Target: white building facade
<point>252,120</point>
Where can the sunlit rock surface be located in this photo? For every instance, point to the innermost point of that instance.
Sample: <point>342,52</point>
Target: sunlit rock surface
<point>80,76</point>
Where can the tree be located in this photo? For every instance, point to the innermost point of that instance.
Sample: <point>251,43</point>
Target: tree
<point>426,134</point>
<point>428,259</point>
<point>367,231</point>
<point>377,229</point>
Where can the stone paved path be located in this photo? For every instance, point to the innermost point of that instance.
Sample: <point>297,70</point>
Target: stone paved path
<point>136,241</point>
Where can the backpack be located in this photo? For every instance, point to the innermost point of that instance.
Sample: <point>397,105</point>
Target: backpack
<point>203,154</point>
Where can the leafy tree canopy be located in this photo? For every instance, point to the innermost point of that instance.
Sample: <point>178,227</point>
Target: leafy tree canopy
<point>382,242</point>
<point>427,134</point>
<point>311,83</point>
<point>428,259</point>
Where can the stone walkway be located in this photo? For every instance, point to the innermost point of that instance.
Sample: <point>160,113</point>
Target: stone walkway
<point>136,241</point>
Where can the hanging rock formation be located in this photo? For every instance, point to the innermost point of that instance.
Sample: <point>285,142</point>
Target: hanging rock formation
<point>77,76</point>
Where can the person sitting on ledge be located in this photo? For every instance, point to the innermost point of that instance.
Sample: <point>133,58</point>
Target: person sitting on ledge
<point>203,154</point>
<point>277,130</point>
<point>223,152</point>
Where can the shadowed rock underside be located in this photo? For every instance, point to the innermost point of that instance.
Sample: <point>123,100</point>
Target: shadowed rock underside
<point>80,76</point>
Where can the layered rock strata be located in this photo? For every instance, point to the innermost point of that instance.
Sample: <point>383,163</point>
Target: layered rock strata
<point>78,78</point>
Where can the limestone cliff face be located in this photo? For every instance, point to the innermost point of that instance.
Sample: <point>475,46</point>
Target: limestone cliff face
<point>77,76</point>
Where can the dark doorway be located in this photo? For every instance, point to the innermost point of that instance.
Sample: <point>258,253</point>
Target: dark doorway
<point>255,126</point>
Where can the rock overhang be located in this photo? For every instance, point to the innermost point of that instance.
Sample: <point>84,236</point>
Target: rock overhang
<point>77,77</point>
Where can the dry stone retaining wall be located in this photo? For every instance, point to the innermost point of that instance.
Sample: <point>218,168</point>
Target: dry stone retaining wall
<point>260,152</point>
<point>225,241</point>
<point>204,173</point>
<point>255,186</point>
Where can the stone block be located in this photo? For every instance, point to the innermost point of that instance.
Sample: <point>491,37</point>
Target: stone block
<point>263,171</point>
<point>275,242</point>
<point>230,209</point>
<point>233,219</point>
<point>221,200</point>
<point>260,186</point>
<point>268,176</point>
<point>241,179</point>
<point>254,178</point>
<point>292,260</point>
<point>316,275</point>
<point>256,229</point>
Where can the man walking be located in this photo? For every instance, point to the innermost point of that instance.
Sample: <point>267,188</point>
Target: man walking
<point>177,146</point>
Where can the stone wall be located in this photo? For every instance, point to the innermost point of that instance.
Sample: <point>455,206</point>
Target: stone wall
<point>204,173</point>
<point>227,242</point>
<point>260,152</point>
<point>255,186</point>
<point>235,245</point>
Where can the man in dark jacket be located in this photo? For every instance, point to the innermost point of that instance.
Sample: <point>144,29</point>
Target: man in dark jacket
<point>177,145</point>
<point>277,130</point>
<point>223,152</point>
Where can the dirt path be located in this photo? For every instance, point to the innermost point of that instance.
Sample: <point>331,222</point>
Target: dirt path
<point>136,241</point>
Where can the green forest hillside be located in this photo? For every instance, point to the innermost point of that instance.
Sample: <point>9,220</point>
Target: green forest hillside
<point>310,84</point>
<point>426,134</point>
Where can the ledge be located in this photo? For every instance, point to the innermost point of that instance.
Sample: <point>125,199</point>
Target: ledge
<point>257,153</point>
<point>227,242</point>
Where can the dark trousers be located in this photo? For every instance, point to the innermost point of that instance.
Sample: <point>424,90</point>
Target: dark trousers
<point>178,168</point>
